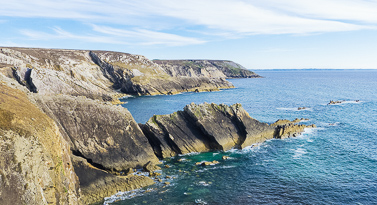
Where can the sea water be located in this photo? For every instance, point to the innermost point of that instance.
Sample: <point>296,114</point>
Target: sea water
<point>335,163</point>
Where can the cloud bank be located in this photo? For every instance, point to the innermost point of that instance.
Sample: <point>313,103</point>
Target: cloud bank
<point>186,22</point>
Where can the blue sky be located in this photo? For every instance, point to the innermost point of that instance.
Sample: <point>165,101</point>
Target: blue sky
<point>259,34</point>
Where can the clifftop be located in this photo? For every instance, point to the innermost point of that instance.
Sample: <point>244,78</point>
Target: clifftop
<point>209,68</point>
<point>100,74</point>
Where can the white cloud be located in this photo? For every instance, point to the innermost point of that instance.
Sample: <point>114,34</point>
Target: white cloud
<point>115,36</point>
<point>147,37</point>
<point>234,17</point>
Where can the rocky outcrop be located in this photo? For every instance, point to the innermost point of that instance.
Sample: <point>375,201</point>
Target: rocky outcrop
<point>35,162</point>
<point>96,184</point>
<point>205,127</point>
<point>136,75</point>
<point>57,71</point>
<point>62,142</point>
<point>105,135</point>
<point>205,68</point>
<point>97,74</point>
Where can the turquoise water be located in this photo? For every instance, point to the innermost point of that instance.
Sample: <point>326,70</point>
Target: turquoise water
<point>335,163</point>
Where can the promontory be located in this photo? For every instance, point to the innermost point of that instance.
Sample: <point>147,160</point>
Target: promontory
<point>63,141</point>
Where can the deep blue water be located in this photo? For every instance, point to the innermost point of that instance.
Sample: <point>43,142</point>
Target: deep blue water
<point>333,164</point>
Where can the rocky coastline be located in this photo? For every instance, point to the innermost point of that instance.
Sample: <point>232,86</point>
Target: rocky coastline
<point>63,141</point>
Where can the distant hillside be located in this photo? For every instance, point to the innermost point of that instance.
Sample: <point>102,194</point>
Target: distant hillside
<point>207,68</point>
<point>96,74</point>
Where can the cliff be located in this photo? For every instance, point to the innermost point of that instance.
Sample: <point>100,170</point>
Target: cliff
<point>206,127</point>
<point>207,68</point>
<point>97,74</point>
<point>63,142</point>
<point>35,162</point>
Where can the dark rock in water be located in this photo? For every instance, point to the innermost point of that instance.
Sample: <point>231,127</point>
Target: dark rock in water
<point>106,135</point>
<point>286,128</point>
<point>95,184</point>
<point>334,102</point>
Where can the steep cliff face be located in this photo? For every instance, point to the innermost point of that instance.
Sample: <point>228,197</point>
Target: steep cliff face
<point>53,71</point>
<point>106,135</point>
<point>204,127</point>
<point>206,68</point>
<point>35,163</point>
<point>97,74</point>
<point>135,74</point>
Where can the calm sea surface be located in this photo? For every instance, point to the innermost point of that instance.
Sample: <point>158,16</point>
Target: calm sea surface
<point>335,163</point>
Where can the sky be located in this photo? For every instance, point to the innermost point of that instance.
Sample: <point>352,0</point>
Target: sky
<point>258,34</point>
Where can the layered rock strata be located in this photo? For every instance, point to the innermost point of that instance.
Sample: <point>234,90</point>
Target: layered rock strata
<point>35,162</point>
<point>205,127</point>
<point>104,134</point>
<point>63,142</point>
<point>96,184</point>
<point>97,74</point>
<point>208,68</point>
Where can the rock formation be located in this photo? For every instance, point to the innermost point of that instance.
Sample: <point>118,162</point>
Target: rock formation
<point>35,162</point>
<point>106,135</point>
<point>205,127</point>
<point>63,142</point>
<point>207,68</point>
<point>98,74</point>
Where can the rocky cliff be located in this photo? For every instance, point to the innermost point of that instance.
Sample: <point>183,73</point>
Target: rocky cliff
<point>35,162</point>
<point>97,74</point>
<point>63,142</point>
<point>205,127</point>
<point>207,68</point>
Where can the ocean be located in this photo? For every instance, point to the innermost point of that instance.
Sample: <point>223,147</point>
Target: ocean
<point>335,163</point>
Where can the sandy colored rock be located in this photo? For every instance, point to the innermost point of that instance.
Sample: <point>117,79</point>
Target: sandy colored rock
<point>96,184</point>
<point>35,163</point>
<point>207,68</point>
<point>105,134</point>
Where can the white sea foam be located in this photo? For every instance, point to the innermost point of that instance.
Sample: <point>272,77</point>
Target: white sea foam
<point>124,195</point>
<point>189,154</point>
<point>299,152</point>
<point>200,201</point>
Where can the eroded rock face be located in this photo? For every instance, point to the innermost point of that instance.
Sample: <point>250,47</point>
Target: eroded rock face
<point>35,163</point>
<point>205,68</point>
<point>57,71</point>
<point>98,74</point>
<point>136,75</point>
<point>106,135</point>
<point>205,127</point>
<point>96,184</point>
